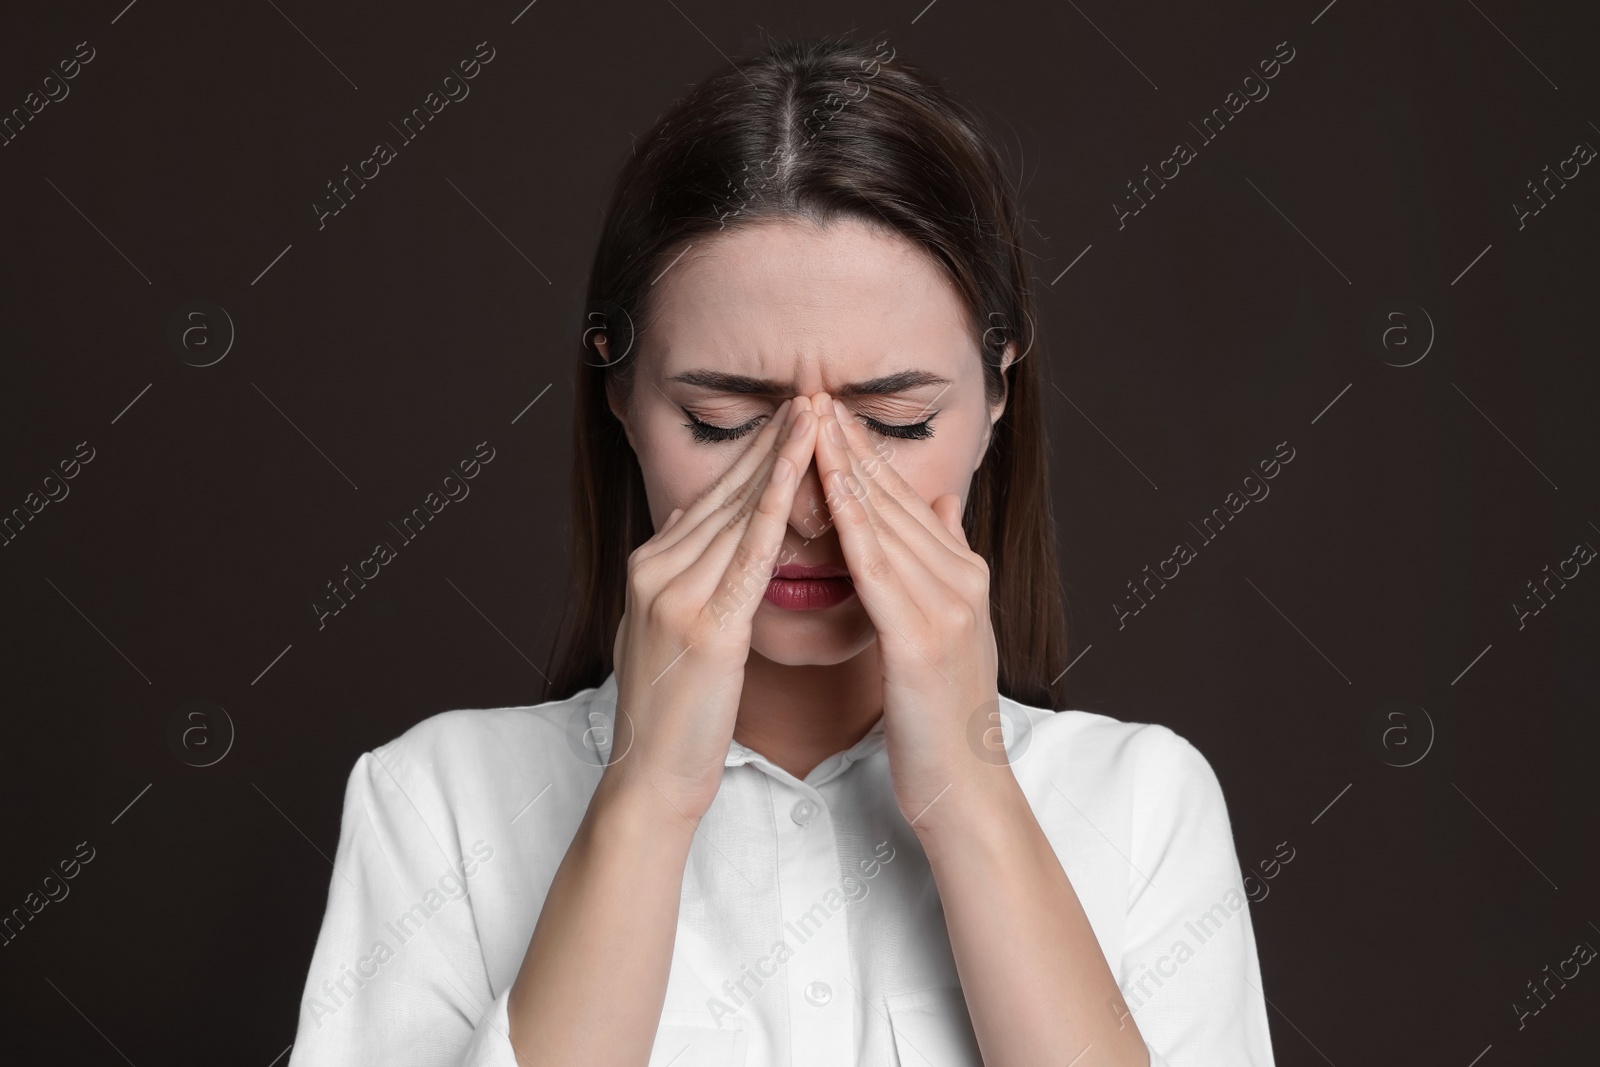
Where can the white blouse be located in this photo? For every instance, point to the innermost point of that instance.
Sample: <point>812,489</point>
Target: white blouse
<point>810,930</point>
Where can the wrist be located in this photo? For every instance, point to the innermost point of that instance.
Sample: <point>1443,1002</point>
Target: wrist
<point>627,803</point>
<point>977,810</point>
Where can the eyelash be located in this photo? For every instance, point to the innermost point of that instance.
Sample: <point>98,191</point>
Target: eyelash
<point>706,433</point>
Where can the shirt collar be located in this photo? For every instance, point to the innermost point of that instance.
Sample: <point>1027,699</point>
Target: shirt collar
<point>738,755</point>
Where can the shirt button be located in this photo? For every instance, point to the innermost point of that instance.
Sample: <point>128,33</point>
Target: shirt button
<point>818,994</point>
<point>803,812</point>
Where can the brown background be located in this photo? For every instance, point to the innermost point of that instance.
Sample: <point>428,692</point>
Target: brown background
<point>1378,176</point>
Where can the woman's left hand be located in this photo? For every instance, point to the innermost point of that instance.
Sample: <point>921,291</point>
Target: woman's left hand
<point>927,594</point>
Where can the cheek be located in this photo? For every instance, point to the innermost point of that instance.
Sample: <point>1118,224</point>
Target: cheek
<point>934,467</point>
<point>678,471</point>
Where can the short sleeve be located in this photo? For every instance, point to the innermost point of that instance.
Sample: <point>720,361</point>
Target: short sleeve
<point>1189,971</point>
<point>397,976</point>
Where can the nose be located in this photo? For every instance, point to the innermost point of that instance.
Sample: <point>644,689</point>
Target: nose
<point>809,516</point>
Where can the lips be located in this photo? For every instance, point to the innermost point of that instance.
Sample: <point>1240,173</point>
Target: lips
<point>800,571</point>
<point>809,587</point>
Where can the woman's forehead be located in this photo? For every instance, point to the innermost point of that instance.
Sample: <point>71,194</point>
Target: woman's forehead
<point>794,304</point>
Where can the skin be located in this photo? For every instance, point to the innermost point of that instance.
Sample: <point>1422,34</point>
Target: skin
<point>812,310</point>
<point>702,658</point>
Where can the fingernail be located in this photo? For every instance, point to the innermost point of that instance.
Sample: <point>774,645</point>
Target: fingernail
<point>782,469</point>
<point>835,434</point>
<point>798,427</point>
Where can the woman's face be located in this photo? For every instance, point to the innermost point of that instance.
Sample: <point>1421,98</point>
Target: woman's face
<point>775,310</point>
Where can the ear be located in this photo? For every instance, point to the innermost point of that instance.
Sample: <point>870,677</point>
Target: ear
<point>998,408</point>
<point>617,409</point>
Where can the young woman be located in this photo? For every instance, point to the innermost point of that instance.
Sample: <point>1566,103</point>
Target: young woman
<point>794,795</point>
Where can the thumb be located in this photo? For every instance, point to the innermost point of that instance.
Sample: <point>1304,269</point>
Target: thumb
<point>948,508</point>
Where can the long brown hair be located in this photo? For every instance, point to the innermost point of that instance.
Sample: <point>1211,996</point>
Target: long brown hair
<point>818,131</point>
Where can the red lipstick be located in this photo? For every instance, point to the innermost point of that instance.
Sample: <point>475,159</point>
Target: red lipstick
<point>813,587</point>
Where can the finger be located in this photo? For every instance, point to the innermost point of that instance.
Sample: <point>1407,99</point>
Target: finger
<point>712,561</point>
<point>926,561</point>
<point>727,493</point>
<point>737,565</point>
<point>948,508</point>
<point>731,514</point>
<point>889,482</point>
<point>879,576</point>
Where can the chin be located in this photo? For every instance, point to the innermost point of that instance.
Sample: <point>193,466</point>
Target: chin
<point>811,638</point>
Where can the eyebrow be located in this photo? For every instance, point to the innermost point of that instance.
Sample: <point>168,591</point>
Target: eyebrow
<point>721,382</point>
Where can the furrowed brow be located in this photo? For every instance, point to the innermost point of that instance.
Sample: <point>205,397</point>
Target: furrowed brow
<point>722,382</point>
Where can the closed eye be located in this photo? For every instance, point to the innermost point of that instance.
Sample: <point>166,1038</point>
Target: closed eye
<point>708,433</point>
<point>914,431</point>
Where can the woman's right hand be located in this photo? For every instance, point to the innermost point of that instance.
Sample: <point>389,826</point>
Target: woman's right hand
<point>692,591</point>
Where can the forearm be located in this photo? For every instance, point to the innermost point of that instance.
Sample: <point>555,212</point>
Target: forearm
<point>1036,983</point>
<point>591,987</point>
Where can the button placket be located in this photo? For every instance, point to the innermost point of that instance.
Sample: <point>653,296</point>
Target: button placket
<point>822,1019</point>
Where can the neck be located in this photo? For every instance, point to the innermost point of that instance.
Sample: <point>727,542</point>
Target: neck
<point>799,716</point>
